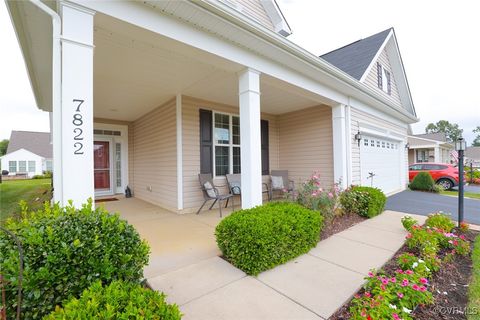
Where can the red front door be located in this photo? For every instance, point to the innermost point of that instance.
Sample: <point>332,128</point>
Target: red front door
<point>101,164</point>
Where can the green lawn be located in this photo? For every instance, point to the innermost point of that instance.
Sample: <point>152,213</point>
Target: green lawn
<point>34,192</point>
<point>474,287</point>
<point>467,194</point>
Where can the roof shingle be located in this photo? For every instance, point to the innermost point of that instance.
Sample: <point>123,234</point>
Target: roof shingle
<point>35,142</point>
<point>355,57</point>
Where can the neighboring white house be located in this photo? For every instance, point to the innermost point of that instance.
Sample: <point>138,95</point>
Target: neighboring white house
<point>429,147</point>
<point>178,88</point>
<point>28,153</point>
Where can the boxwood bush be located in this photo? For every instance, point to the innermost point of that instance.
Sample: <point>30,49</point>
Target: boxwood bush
<point>423,181</point>
<point>364,201</point>
<point>258,239</point>
<point>119,300</point>
<point>65,250</point>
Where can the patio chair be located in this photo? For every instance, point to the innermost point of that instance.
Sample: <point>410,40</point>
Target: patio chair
<point>235,185</point>
<point>210,192</point>
<point>280,182</point>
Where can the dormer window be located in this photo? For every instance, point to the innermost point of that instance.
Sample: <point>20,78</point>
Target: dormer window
<point>384,79</point>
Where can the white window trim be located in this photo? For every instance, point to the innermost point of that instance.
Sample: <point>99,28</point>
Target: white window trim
<point>230,145</point>
<point>16,166</point>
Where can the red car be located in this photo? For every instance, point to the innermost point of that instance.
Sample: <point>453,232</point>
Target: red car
<point>444,174</point>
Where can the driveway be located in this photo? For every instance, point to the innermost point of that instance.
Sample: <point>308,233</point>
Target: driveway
<point>424,203</point>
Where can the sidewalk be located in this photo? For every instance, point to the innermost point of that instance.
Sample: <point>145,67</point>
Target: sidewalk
<point>312,286</point>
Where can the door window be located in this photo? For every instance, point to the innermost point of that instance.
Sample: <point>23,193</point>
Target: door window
<point>101,163</point>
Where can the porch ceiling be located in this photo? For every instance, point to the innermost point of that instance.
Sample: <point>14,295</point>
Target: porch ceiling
<point>136,70</point>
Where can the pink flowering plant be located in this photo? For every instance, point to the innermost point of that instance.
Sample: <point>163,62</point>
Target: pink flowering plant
<point>391,297</point>
<point>312,195</point>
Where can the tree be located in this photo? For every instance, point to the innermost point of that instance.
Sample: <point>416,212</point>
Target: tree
<point>451,130</point>
<point>476,141</point>
<point>3,147</point>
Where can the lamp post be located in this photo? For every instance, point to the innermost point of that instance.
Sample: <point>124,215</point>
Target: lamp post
<point>460,146</point>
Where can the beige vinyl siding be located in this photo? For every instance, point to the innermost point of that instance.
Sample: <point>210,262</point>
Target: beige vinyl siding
<point>306,144</point>
<point>372,80</point>
<point>358,116</point>
<point>192,195</point>
<point>154,156</point>
<point>252,9</point>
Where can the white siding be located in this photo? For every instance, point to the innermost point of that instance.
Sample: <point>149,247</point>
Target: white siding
<point>372,81</point>
<point>23,155</point>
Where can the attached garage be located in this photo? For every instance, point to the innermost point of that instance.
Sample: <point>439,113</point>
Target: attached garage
<point>381,163</point>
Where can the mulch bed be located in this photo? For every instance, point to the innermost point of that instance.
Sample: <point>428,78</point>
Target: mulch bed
<point>449,287</point>
<point>340,223</point>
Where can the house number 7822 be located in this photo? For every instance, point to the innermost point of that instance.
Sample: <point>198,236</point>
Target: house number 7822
<point>78,123</point>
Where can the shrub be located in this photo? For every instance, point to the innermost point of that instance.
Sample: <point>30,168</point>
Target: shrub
<point>258,239</point>
<point>408,222</point>
<point>423,181</point>
<point>65,250</point>
<point>440,221</point>
<point>365,201</point>
<point>312,196</point>
<point>119,300</point>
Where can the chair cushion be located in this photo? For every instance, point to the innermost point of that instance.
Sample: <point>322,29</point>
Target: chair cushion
<point>277,183</point>
<point>209,188</point>
<point>236,187</point>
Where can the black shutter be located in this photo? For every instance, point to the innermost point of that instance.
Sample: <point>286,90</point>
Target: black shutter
<point>379,75</point>
<point>206,143</point>
<point>265,151</point>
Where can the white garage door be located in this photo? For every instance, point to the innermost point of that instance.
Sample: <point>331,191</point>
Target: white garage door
<point>380,164</point>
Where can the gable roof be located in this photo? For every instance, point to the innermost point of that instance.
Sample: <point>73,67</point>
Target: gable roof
<point>438,136</point>
<point>473,153</point>
<point>35,142</point>
<point>356,57</point>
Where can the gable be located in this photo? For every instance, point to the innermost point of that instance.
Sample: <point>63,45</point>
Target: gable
<point>372,81</point>
<point>265,12</point>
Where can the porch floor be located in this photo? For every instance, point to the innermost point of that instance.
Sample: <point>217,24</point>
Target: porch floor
<point>176,240</point>
<point>185,264</point>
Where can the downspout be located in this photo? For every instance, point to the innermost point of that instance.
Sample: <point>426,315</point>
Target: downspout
<point>56,100</point>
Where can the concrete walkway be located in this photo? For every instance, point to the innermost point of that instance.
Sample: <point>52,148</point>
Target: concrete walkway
<point>312,286</point>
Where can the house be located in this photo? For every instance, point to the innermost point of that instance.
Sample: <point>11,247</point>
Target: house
<point>28,153</point>
<point>429,147</point>
<point>472,155</point>
<point>150,94</point>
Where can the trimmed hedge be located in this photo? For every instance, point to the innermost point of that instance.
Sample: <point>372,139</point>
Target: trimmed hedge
<point>258,239</point>
<point>423,181</point>
<point>364,201</point>
<point>119,300</point>
<point>65,250</point>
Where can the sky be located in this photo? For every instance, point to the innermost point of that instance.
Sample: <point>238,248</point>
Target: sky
<point>438,42</point>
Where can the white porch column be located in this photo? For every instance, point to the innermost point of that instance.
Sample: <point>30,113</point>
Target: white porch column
<point>348,140</point>
<point>251,156</point>
<point>340,168</point>
<point>436,151</point>
<point>76,110</point>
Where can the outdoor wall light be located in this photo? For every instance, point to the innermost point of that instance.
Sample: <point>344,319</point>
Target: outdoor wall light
<point>358,137</point>
<point>407,145</point>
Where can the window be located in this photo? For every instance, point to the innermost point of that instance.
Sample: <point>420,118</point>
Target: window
<point>422,156</point>
<point>31,166</point>
<point>226,139</point>
<point>365,142</point>
<point>416,167</point>
<point>12,166</point>
<point>378,144</point>
<point>383,144</point>
<point>22,166</point>
<point>372,143</point>
<point>118,164</point>
<point>49,166</point>
<point>384,79</point>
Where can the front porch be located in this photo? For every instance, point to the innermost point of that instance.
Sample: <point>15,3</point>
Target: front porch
<point>175,241</point>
